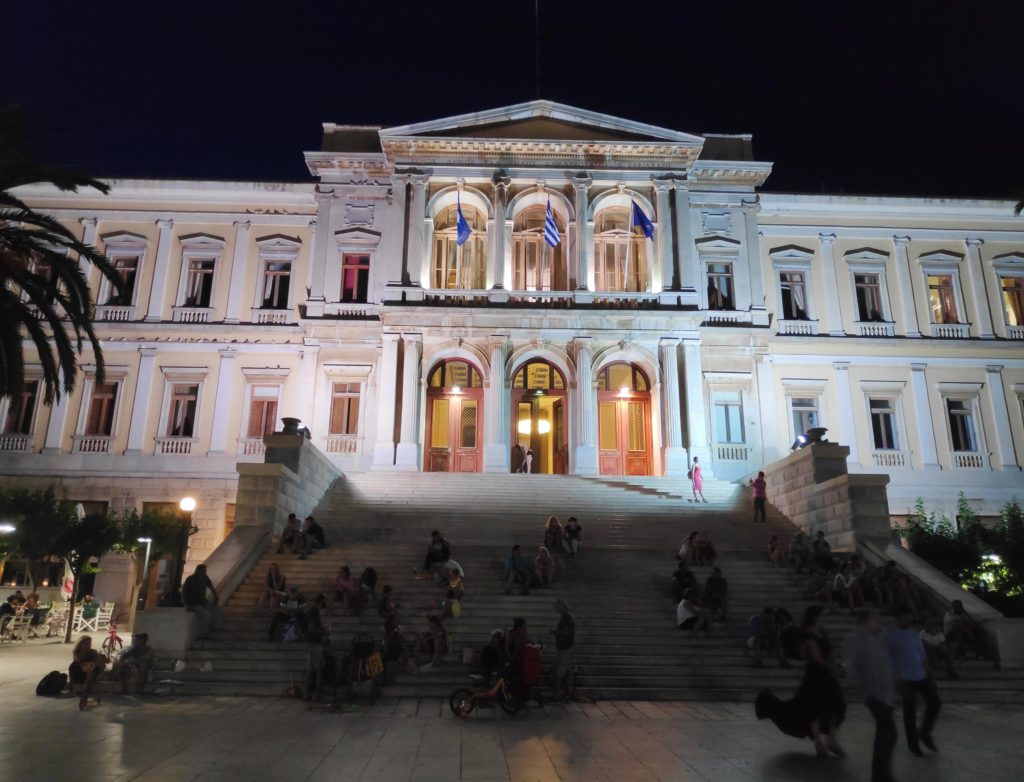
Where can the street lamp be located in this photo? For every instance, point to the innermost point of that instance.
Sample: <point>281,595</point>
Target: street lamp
<point>7,529</point>
<point>145,571</point>
<point>187,505</point>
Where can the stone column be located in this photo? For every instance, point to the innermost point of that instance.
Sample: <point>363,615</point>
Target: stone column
<point>89,228</point>
<point>323,248</point>
<point>696,420</point>
<point>419,246</point>
<point>675,454</point>
<point>999,416</point>
<point>586,404</point>
<point>400,197</point>
<point>408,454</point>
<point>305,401</point>
<point>387,370</point>
<point>905,285</point>
<point>771,447</point>
<point>160,271</point>
<point>844,394</point>
<point>496,265</point>
<point>688,261</point>
<point>976,274</point>
<point>923,414</point>
<point>753,244</point>
<point>54,442</point>
<point>497,402</point>
<point>581,185</point>
<point>223,403</point>
<point>236,287</point>
<point>663,194</point>
<point>833,309</point>
<point>141,402</point>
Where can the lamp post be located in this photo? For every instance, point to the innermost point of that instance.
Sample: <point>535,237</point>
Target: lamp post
<point>144,591</point>
<point>187,505</point>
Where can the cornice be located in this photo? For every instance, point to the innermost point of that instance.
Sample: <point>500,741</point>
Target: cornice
<point>725,172</point>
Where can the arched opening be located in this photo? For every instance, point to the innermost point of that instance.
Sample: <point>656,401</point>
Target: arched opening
<point>620,252</point>
<point>455,396</point>
<point>459,267</point>
<point>536,266</point>
<point>624,420</point>
<point>540,418</point>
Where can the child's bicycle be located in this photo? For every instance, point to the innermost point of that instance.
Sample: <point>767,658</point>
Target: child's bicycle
<point>113,645</point>
<point>463,701</point>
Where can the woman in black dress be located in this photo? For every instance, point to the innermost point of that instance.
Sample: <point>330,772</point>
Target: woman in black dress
<point>817,710</point>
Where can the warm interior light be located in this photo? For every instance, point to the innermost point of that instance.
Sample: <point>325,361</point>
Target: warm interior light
<point>456,390</point>
<point>624,391</point>
<point>45,582</point>
<point>524,426</point>
<point>543,426</point>
<point>187,504</point>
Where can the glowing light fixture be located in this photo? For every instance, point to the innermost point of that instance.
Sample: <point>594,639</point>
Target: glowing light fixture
<point>524,426</point>
<point>7,529</point>
<point>187,504</point>
<point>543,426</point>
<point>456,389</point>
<point>624,391</point>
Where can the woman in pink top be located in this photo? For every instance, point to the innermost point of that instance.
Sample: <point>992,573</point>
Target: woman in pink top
<point>698,481</point>
<point>760,486</point>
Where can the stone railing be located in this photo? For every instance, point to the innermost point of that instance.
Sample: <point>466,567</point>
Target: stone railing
<point>89,443</point>
<point>251,446</point>
<point>15,442</point>
<point>192,314</point>
<point>342,443</point>
<point>541,298</point>
<point>115,313</point>
<point>351,309</point>
<point>951,330</point>
<point>266,316</point>
<point>732,453</point>
<point>798,328</point>
<point>875,329</point>
<point>1015,332</point>
<point>964,460</point>
<point>174,445</point>
<point>890,459</point>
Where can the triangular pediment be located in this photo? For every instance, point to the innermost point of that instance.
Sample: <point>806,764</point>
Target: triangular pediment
<point>717,244</point>
<point>542,120</point>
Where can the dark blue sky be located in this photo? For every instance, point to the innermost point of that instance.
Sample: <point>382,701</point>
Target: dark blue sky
<point>903,97</point>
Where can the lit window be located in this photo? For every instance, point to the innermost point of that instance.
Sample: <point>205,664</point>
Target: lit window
<point>869,298</point>
<point>262,411</point>
<point>355,277</point>
<point>728,411</point>
<point>620,257</point>
<point>1013,300</point>
<point>720,290</point>
<point>942,298</point>
<point>793,287</point>
<point>199,284</point>
<point>345,408</point>
<point>100,418</point>
<point>21,410</point>
<point>181,419</point>
<point>883,424</point>
<point>961,425</point>
<point>277,277</point>
<point>127,267</point>
<point>460,267</point>
<point>536,266</point>
<point>805,414</point>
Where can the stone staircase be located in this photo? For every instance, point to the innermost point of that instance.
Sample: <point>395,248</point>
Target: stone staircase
<point>627,644</point>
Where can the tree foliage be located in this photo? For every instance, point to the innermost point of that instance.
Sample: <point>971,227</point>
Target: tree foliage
<point>956,551</point>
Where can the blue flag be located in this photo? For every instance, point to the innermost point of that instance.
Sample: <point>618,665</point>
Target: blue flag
<point>462,229</point>
<point>640,219</point>
<point>550,229</point>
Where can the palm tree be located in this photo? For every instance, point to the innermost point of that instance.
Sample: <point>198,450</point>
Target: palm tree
<point>44,295</point>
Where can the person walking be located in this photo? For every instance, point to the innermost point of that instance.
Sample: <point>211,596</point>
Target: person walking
<point>698,481</point>
<point>565,649</point>
<point>760,487</point>
<point>194,595</point>
<point>869,667</point>
<point>909,660</point>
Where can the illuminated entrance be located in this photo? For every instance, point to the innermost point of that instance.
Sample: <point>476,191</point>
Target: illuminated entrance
<point>540,415</point>
<point>455,397</point>
<point>624,420</point>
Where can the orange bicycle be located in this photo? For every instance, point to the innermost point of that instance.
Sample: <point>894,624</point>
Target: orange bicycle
<point>463,701</point>
<point>113,645</point>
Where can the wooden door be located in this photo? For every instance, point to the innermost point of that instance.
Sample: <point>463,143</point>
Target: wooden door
<point>454,436</point>
<point>624,437</point>
<point>561,444</point>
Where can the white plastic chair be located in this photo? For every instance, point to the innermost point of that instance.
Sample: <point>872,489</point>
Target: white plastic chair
<point>84,625</point>
<point>17,629</point>
<point>103,616</point>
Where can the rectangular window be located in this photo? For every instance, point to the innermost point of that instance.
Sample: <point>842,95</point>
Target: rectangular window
<point>345,408</point>
<point>277,277</point>
<point>942,298</point>
<point>262,411</point>
<point>793,288</point>
<point>355,277</point>
<point>100,418</point>
<point>22,410</point>
<point>181,420</point>
<point>199,284</point>
<point>883,424</point>
<point>1013,300</point>
<point>961,425</point>
<point>869,298</point>
<point>728,417</point>
<point>128,268</point>
<point>720,291</point>
<point>805,414</point>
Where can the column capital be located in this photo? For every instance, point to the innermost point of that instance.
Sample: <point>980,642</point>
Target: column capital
<point>918,367</point>
<point>827,239</point>
<point>974,242</point>
<point>227,353</point>
<point>242,225</point>
<point>419,180</point>
<point>323,195</point>
<point>753,207</point>
<point>147,352</point>
<point>389,336</point>
<point>994,369</point>
<point>501,180</point>
<point>840,366</point>
<point>417,338</point>
<point>88,222</point>
<point>582,181</point>
<point>400,179</point>
<point>901,241</point>
<point>668,342</point>
<point>497,341</point>
<point>165,223</point>
<point>312,224</point>
<point>662,184</point>
<point>583,343</point>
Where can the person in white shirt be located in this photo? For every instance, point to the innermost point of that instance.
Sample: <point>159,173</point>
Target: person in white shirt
<point>934,641</point>
<point>690,617</point>
<point>842,587</point>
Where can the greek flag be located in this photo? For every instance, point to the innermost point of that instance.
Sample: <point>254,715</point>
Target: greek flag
<point>550,229</point>
<point>462,229</point>
<point>640,219</point>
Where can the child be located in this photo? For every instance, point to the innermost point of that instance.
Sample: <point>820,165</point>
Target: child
<point>451,608</point>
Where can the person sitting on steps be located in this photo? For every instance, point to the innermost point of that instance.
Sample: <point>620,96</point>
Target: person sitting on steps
<point>310,537</point>
<point>439,551</point>
<point>343,588</point>
<point>517,571</point>
<point>716,595</point>
<point>690,617</point>
<point>682,580</point>
<point>553,534</point>
<point>290,536</point>
<point>138,659</point>
<point>543,568</point>
<point>573,534</point>
<point>766,637</point>
<point>288,609</point>
<point>433,643</point>
<point>800,552</point>
<point>774,551</point>
<point>275,584</point>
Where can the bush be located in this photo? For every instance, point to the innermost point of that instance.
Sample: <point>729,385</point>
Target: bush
<point>956,552</point>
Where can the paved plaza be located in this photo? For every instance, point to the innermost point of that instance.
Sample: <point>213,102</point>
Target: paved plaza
<point>208,738</point>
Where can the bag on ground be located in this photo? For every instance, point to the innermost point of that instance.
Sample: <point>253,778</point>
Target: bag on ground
<point>52,685</point>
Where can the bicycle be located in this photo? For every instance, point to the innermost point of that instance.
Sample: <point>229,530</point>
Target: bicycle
<point>464,700</point>
<point>113,643</point>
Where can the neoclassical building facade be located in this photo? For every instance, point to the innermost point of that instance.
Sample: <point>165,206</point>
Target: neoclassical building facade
<point>353,303</point>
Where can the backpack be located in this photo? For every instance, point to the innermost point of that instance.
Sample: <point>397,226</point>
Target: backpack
<point>531,667</point>
<point>689,474</point>
<point>52,685</point>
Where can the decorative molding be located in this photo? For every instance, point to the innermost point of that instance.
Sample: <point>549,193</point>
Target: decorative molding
<point>941,259</point>
<point>719,223</point>
<point>185,373</point>
<point>359,214</point>
<point>718,244</point>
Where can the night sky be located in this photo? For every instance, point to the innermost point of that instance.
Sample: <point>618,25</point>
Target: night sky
<point>901,98</point>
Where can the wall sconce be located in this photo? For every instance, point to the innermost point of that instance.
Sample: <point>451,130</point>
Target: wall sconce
<point>524,426</point>
<point>624,391</point>
<point>456,389</point>
<point>543,426</point>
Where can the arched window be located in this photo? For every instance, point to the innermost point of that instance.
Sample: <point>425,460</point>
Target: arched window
<point>539,375</point>
<point>449,374</point>
<point>620,252</point>
<point>536,266</point>
<point>462,267</point>
<point>618,377</point>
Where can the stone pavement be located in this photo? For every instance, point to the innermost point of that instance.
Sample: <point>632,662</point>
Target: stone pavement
<point>209,738</point>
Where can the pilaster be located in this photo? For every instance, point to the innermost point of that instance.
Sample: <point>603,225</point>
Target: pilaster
<point>387,370</point>
<point>419,246</point>
<point>759,313</point>
<point>90,226</point>
<point>844,393</point>
<point>400,196</point>
<point>696,419</point>
<point>923,414</point>
<point>306,397</point>
<point>663,195</point>
<point>771,448</point>
<point>496,263</point>
<point>581,186</point>
<point>236,286</point>
<point>497,402</point>
<point>976,274</point>
<point>54,442</point>
<point>407,456</point>
<point>1000,414</point>
<point>141,402</point>
<point>905,285</point>
<point>834,309</point>
<point>689,264</point>
<point>322,248</point>
<point>675,454</point>
<point>586,404</point>
<point>160,271</point>
<point>224,402</point>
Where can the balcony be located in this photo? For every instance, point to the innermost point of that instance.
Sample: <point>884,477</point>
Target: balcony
<point>15,442</point>
<point>267,316</point>
<point>115,313</point>
<point>968,460</point>
<point>342,443</point>
<point>351,309</point>
<point>798,328</point>
<point>732,453</point>
<point>951,330</point>
<point>890,459</point>
<point>1015,332</point>
<point>875,329</point>
<point>251,446</point>
<point>92,443</point>
<point>192,314</point>
<point>180,446</point>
